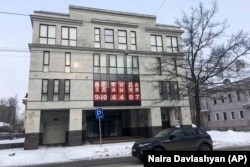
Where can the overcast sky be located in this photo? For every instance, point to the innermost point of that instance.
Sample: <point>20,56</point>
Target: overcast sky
<point>16,30</point>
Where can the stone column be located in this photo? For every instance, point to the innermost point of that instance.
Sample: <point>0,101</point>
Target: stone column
<point>154,121</point>
<point>32,129</point>
<point>75,127</point>
<point>173,122</point>
<point>185,116</point>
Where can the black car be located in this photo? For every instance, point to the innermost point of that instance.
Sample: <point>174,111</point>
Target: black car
<point>183,138</point>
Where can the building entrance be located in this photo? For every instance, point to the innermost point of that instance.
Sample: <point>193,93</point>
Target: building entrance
<point>111,124</point>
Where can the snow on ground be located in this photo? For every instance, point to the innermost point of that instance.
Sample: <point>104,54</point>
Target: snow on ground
<point>19,156</point>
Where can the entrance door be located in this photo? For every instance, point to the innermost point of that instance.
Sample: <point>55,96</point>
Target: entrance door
<point>53,132</point>
<point>105,128</point>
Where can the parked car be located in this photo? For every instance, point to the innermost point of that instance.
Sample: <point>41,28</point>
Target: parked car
<point>178,138</point>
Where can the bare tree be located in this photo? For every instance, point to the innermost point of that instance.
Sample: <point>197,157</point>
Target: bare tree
<point>204,58</point>
<point>8,109</point>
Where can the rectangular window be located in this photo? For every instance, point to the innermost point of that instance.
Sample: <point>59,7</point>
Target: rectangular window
<point>133,40</point>
<point>169,90</point>
<point>120,65</point>
<point>232,115</point>
<point>224,116</point>
<point>172,45</point>
<point>156,43</point>
<point>68,36</point>
<point>241,115</point>
<point>222,99</point>
<point>112,64</point>
<point>109,38</point>
<point>229,98</point>
<point>47,34</point>
<point>67,62</point>
<point>208,118</point>
<point>122,39</point>
<point>174,65</point>
<point>217,117</point>
<point>56,90</point>
<point>132,65</point>
<point>238,95</point>
<point>97,68</point>
<point>45,90</point>
<point>215,102</point>
<point>66,90</point>
<point>97,38</point>
<point>159,70</point>
<point>46,58</point>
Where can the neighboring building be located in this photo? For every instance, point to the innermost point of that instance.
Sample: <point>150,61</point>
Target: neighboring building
<point>92,58</point>
<point>227,106</point>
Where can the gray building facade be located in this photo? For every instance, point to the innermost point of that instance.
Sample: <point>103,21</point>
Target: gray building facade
<point>94,58</point>
<point>227,107</point>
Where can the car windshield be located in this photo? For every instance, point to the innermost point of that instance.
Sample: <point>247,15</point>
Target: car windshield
<point>163,133</point>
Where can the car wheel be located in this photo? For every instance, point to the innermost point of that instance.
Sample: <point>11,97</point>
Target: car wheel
<point>205,147</point>
<point>158,149</point>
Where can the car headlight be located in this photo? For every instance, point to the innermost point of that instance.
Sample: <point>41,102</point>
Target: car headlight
<point>144,144</point>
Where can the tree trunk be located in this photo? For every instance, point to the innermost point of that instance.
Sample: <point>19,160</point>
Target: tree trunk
<point>197,106</point>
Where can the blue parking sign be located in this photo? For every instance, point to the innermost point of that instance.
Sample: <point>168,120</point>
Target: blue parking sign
<point>99,113</point>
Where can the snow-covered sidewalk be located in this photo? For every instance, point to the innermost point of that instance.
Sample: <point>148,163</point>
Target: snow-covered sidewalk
<point>18,157</point>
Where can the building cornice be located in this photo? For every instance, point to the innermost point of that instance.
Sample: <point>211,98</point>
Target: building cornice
<point>33,46</point>
<point>164,30</point>
<point>48,19</point>
<point>112,12</point>
<point>114,23</point>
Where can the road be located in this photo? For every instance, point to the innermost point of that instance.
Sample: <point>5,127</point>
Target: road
<point>107,162</point>
<point>121,161</point>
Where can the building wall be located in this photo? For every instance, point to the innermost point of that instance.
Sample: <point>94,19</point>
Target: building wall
<point>235,106</point>
<point>81,74</point>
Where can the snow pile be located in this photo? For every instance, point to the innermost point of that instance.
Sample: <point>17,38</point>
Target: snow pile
<point>229,138</point>
<point>21,157</point>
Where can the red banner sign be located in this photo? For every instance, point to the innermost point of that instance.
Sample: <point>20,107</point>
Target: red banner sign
<point>118,91</point>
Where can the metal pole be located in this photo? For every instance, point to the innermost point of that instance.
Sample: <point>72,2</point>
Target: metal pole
<point>100,131</point>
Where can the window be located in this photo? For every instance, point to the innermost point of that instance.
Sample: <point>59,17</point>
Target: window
<point>229,98</point>
<point>109,39</point>
<point>45,90</point>
<point>169,90</point>
<point>158,61</point>
<point>97,38</point>
<point>205,104</point>
<point>172,45</point>
<point>232,115</point>
<point>112,64</point>
<point>67,62</point>
<point>156,43</point>
<point>68,36</point>
<point>241,115</point>
<point>222,99</point>
<point>66,90</point>
<point>47,34</point>
<point>132,65</point>
<point>224,116</point>
<point>208,117</point>
<point>217,117</point>
<point>174,65</point>
<point>238,95</point>
<point>46,56</point>
<point>122,39</point>
<point>56,90</point>
<point>215,102</point>
<point>133,40</point>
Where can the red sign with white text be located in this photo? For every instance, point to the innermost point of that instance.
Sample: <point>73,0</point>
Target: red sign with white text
<point>118,91</point>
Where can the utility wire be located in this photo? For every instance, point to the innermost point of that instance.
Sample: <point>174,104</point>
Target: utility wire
<point>17,14</point>
<point>160,6</point>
